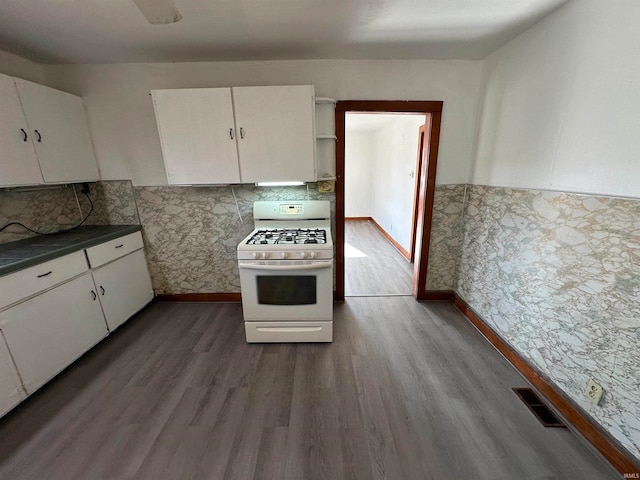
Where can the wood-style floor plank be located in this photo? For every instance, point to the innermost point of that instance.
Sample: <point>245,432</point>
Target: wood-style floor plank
<point>372,265</point>
<point>406,391</point>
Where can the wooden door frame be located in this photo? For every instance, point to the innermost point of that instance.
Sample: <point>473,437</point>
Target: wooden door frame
<point>432,109</point>
<point>416,189</point>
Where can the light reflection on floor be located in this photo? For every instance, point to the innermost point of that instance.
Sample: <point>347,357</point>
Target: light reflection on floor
<point>352,252</point>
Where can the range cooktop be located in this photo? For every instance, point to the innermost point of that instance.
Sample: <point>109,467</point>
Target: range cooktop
<point>288,236</point>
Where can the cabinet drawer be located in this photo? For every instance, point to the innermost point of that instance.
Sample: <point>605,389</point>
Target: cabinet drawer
<point>109,251</point>
<point>16,286</point>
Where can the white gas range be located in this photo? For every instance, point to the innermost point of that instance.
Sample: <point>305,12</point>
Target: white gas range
<point>286,273</point>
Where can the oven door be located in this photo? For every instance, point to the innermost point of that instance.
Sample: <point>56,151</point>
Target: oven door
<point>287,291</point>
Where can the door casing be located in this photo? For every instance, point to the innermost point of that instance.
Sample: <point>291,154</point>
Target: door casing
<point>433,112</point>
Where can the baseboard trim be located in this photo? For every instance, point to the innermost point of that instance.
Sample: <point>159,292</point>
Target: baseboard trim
<point>200,297</point>
<point>608,447</point>
<point>435,295</point>
<point>392,240</point>
<point>386,235</point>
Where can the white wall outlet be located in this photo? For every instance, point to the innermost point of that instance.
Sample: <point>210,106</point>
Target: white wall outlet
<point>325,186</point>
<point>594,391</point>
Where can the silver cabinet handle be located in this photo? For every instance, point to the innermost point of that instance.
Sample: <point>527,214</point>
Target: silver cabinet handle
<point>241,132</point>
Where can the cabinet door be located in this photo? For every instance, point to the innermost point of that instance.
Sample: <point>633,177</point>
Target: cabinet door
<point>197,134</point>
<point>11,392</point>
<point>18,161</point>
<point>124,287</point>
<point>50,331</point>
<point>60,133</point>
<point>277,134</point>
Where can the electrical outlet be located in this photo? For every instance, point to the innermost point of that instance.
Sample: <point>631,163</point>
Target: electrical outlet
<point>594,391</point>
<point>326,186</point>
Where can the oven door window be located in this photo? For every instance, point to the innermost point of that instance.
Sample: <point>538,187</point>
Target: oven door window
<point>287,289</point>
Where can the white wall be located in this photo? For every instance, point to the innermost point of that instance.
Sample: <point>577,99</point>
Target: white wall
<point>15,66</point>
<point>561,112</point>
<point>358,168</point>
<point>561,105</point>
<point>395,154</point>
<point>123,126</point>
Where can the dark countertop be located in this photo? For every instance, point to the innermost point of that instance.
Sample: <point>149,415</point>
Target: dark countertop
<point>25,253</point>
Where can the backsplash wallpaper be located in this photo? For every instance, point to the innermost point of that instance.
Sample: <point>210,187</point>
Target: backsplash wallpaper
<point>49,209</point>
<point>113,202</point>
<point>558,276</point>
<point>44,210</point>
<point>191,233</point>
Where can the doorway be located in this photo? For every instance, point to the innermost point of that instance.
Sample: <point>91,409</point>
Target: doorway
<point>426,180</point>
<point>380,194</point>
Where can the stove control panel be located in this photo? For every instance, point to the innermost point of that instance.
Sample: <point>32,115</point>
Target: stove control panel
<point>292,209</point>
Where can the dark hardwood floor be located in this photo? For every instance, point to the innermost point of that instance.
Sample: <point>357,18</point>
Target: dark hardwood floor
<point>406,391</point>
<point>372,265</point>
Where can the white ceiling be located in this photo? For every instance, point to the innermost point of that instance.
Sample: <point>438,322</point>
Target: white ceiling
<point>114,31</point>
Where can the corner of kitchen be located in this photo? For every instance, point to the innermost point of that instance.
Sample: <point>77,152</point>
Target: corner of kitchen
<point>241,212</point>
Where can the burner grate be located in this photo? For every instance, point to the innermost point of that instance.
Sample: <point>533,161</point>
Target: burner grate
<point>288,236</point>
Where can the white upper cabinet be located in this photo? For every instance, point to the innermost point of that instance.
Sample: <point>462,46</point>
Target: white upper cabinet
<point>18,161</point>
<point>276,133</point>
<point>59,132</point>
<point>197,134</point>
<point>237,135</point>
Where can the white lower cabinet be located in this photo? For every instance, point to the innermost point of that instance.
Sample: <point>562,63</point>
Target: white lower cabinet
<point>124,287</point>
<point>48,332</point>
<point>11,392</point>
<point>53,312</point>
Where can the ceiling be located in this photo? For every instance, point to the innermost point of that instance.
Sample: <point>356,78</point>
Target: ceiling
<point>114,31</point>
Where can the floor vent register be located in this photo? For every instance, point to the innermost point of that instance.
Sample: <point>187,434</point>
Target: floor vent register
<point>539,409</point>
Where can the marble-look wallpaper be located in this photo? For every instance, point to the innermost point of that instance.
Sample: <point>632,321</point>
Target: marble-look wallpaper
<point>49,209</point>
<point>45,210</point>
<point>444,248</point>
<point>191,233</point>
<point>558,276</point>
<point>113,204</point>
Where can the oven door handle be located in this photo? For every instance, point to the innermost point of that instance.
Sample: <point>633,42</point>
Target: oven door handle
<point>306,266</point>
